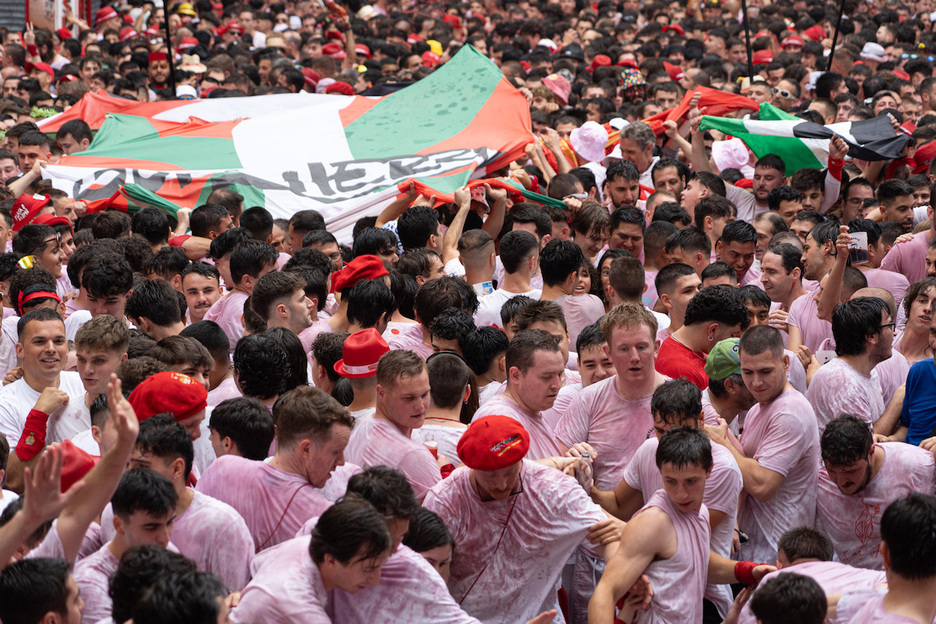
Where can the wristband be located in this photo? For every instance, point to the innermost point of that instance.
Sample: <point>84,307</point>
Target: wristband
<point>33,439</point>
<point>744,572</point>
<point>33,49</point>
<point>446,470</point>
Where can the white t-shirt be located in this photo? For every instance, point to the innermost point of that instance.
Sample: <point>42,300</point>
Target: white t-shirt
<point>838,389</point>
<point>489,307</point>
<point>18,398</point>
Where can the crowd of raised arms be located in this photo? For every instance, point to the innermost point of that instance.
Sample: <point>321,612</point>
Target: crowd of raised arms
<point>698,385</point>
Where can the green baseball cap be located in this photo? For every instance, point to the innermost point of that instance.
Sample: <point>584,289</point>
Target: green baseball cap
<point>723,360</point>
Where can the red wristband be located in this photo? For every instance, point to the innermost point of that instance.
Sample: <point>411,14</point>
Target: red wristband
<point>33,439</point>
<point>33,49</point>
<point>744,572</point>
<point>446,470</point>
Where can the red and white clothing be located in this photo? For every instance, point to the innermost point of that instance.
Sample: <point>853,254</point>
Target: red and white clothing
<point>722,489</point>
<point>286,588</point>
<point>853,523</point>
<point>274,503</point>
<point>543,442</point>
<point>678,582</point>
<point>782,437</point>
<point>92,575</point>
<point>614,426</point>
<point>378,442</point>
<point>228,312</point>
<point>410,339</point>
<point>838,389</point>
<point>509,553</point>
<point>18,398</point>
<point>489,306</point>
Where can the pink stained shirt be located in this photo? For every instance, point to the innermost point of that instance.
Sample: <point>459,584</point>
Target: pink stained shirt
<point>752,278</point>
<point>891,374</point>
<point>227,389</point>
<point>376,442</point>
<point>411,340</point>
<point>678,582</point>
<point>895,283</point>
<point>229,314</point>
<point>804,315</point>
<point>274,503</point>
<point>543,441</point>
<point>308,335</point>
<point>722,489</point>
<point>216,538</point>
<point>564,400</point>
<point>853,523</point>
<point>92,575</point>
<point>446,439</point>
<point>614,426</point>
<point>489,306</point>
<point>509,554</point>
<point>782,436</point>
<point>650,295</point>
<point>580,312</point>
<point>832,577</point>
<point>410,590</point>
<point>909,259</point>
<point>872,611</point>
<point>838,389</point>
<point>286,588</point>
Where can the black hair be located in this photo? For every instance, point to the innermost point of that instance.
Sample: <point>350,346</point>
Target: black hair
<point>437,295</point>
<point>714,206</point>
<point>111,224</point>
<point>297,361</point>
<point>710,181</point>
<point>416,225</point>
<point>757,340</point>
<point>845,440</point>
<point>559,259</point>
<point>30,588</point>
<point>348,526</point>
<point>317,237</point>
<point>771,161</point>
<point>306,221</point>
<point>738,232</point>
<point>39,314</point>
<point>77,128</point>
<point>719,269</point>
<point>207,218</point>
<point>163,437</point>
<point>186,598</point>
<point>527,212</point>
<point>106,276</point>
<point>248,423</point>
<point>481,346</point>
<point>672,212</point>
<point>717,304</point>
<point>211,336</point>
<point>805,543</point>
<point>891,189</point>
<point>824,232</point>
<point>369,301</point>
<point>139,568</point>
<point>756,296</point>
<point>155,300</point>
<point>676,401</point>
<point>427,531</point>
<point>31,239</point>
<point>790,598</point>
<point>684,446</point>
<point>387,489</point>
<point>782,194</point>
<point>512,307</point>
<point>854,321</point>
<point>327,350</point>
<point>142,489</point>
<point>168,262</point>
<point>204,269</point>
<point>152,224</point>
<point>225,242</point>
<point>258,221</point>
<point>85,254</point>
<point>273,288</point>
<point>624,169</point>
<point>871,228</point>
<point>690,239</point>
<point>373,242</point>
<point>249,257</point>
<point>590,336</point>
<point>417,261</point>
<point>261,366</point>
<point>907,529</point>
<point>516,248</point>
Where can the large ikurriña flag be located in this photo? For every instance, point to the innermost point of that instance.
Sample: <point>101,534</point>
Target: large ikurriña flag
<point>342,156</point>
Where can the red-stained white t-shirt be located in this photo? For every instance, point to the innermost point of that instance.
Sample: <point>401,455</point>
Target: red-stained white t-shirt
<point>782,436</point>
<point>853,523</point>
<point>509,554</point>
<point>804,315</point>
<point>229,314</point>
<point>378,442</point>
<point>838,389</point>
<point>614,426</point>
<point>543,441</point>
<point>274,503</point>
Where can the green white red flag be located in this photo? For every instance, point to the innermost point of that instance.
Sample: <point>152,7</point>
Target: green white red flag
<point>342,156</point>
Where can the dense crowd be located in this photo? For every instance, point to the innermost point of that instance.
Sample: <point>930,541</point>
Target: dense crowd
<point>695,383</point>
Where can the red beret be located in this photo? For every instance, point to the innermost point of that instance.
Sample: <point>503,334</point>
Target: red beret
<point>75,464</point>
<point>492,443</point>
<point>340,87</point>
<point>361,268</point>
<point>171,392</point>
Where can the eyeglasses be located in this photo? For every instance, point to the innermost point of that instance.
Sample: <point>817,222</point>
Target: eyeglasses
<point>893,326</point>
<point>783,94</point>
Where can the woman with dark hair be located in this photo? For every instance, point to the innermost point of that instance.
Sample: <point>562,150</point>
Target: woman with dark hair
<point>428,536</point>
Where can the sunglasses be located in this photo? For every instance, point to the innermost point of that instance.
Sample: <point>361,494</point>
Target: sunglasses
<point>783,93</point>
